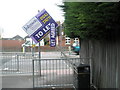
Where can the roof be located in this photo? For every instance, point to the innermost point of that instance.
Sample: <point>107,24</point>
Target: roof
<point>17,37</point>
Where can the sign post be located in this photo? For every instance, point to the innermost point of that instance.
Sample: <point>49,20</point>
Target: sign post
<point>39,27</point>
<point>39,58</point>
<point>39,55</point>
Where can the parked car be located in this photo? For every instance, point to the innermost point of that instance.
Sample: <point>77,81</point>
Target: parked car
<point>75,48</point>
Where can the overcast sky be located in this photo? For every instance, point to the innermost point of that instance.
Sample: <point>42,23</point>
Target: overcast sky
<point>16,13</point>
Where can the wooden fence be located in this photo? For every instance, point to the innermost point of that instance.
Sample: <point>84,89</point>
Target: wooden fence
<point>105,62</point>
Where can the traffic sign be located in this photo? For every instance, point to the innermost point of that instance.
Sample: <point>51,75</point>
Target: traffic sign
<point>39,26</point>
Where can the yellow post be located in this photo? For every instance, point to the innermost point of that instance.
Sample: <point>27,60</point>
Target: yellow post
<point>23,49</point>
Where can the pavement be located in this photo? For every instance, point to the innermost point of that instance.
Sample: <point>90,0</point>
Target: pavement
<point>17,82</point>
<point>26,81</point>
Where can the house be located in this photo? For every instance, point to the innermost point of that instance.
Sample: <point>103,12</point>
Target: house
<point>63,40</point>
<point>12,44</point>
<point>30,42</point>
<point>17,37</point>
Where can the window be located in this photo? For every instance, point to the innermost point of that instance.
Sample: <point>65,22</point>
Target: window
<point>76,40</point>
<point>67,41</point>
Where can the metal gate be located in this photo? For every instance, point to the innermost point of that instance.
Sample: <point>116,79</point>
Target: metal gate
<point>48,73</point>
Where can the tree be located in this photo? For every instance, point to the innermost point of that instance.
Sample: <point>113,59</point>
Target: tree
<point>92,20</point>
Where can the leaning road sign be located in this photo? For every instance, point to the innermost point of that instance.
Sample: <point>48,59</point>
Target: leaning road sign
<point>39,26</point>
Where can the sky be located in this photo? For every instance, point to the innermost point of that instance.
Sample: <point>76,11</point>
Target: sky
<point>16,13</point>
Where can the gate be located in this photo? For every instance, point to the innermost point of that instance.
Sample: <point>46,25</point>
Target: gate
<point>48,73</point>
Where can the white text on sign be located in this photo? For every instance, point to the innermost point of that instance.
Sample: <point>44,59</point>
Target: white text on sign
<point>41,33</point>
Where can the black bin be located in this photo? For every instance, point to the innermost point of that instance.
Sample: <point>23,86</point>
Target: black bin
<point>83,76</point>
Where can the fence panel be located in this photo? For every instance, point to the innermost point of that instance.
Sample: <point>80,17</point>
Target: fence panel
<point>105,62</point>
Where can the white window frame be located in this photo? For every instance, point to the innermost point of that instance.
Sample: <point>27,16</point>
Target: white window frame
<point>76,40</point>
<point>67,41</point>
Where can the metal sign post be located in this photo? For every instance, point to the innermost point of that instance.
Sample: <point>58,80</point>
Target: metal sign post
<point>39,54</point>
<point>39,58</point>
<point>39,27</point>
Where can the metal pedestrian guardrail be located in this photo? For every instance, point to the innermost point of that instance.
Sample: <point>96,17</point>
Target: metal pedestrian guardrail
<point>16,63</point>
<point>46,72</point>
<point>55,72</point>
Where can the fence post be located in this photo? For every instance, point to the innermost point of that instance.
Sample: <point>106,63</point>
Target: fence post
<point>17,62</point>
<point>91,71</point>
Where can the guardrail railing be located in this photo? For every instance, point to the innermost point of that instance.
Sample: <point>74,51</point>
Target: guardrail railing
<point>17,63</point>
<point>54,72</point>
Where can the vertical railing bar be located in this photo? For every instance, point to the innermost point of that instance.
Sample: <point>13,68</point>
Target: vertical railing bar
<point>66,68</point>
<point>45,71</point>
<point>42,62</point>
<point>11,63</point>
<point>17,62</point>
<point>52,62</point>
<point>63,68</point>
<point>29,60</point>
<point>56,70</point>
<point>5,63</point>
<point>13,58</point>
<point>21,63</point>
<point>38,72</point>
<point>58,66</point>
<point>26,59</point>
<point>69,68</point>
<point>53,71</point>
<point>14,62</point>
<point>50,72</point>
<point>33,73</point>
<point>60,69</point>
